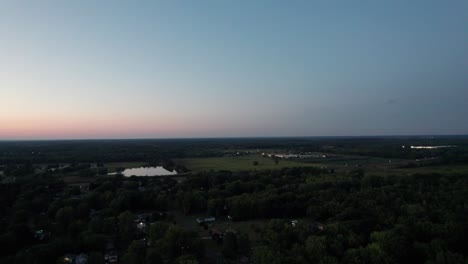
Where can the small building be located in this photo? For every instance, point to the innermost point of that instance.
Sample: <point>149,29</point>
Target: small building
<point>316,226</point>
<point>216,232</point>
<point>144,217</point>
<point>41,235</point>
<point>69,259</point>
<point>294,223</point>
<point>111,254</point>
<point>141,226</point>
<point>81,259</point>
<point>205,220</point>
<point>83,187</point>
<point>216,235</point>
<point>75,259</point>
<point>111,257</point>
<point>7,180</point>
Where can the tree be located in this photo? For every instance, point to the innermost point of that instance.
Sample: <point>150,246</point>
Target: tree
<point>316,248</point>
<point>447,257</point>
<point>264,255</point>
<point>127,228</point>
<point>64,216</point>
<point>177,242</point>
<point>92,241</point>
<point>368,255</point>
<point>276,160</point>
<point>393,243</point>
<point>186,259</point>
<point>229,245</point>
<point>243,244</point>
<point>215,207</point>
<point>157,231</point>
<point>153,256</point>
<point>96,258</point>
<point>135,253</point>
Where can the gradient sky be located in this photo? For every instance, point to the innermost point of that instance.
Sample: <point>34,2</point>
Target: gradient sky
<point>150,69</point>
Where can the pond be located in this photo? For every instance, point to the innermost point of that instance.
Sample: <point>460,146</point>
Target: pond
<point>147,171</point>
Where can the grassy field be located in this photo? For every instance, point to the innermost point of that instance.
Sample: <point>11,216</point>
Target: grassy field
<point>112,166</point>
<point>238,163</point>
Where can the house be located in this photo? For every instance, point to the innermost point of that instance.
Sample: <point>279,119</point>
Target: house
<point>142,221</point>
<point>316,226</point>
<point>216,232</point>
<point>110,257</point>
<point>143,217</point>
<point>69,258</point>
<point>75,259</point>
<point>81,259</point>
<point>205,220</point>
<point>8,180</point>
<point>83,187</point>
<point>294,223</point>
<point>141,226</point>
<point>217,235</point>
<point>111,253</point>
<point>41,235</point>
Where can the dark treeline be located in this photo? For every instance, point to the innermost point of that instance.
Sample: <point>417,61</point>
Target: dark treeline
<point>152,150</point>
<point>367,219</point>
<point>341,218</point>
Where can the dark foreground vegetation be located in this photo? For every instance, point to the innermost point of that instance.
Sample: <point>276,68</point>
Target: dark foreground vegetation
<point>331,213</point>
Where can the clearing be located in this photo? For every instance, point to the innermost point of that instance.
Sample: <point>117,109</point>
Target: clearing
<point>242,163</point>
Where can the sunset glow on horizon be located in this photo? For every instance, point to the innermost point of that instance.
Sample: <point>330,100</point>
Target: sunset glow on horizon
<point>91,70</point>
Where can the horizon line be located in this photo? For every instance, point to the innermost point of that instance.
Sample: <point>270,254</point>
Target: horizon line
<point>238,137</point>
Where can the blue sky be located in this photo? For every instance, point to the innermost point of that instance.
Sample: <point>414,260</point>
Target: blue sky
<point>126,69</point>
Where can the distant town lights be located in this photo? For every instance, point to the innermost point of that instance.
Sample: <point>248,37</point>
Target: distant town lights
<point>431,147</point>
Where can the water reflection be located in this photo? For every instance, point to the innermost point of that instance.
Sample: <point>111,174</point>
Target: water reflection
<point>148,171</point>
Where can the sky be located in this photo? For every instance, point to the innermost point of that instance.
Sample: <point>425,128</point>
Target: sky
<point>219,68</point>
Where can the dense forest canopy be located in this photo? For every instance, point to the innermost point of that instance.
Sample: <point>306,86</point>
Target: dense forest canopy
<point>287,215</point>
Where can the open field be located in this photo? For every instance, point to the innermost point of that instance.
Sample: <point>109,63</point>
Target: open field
<point>238,163</point>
